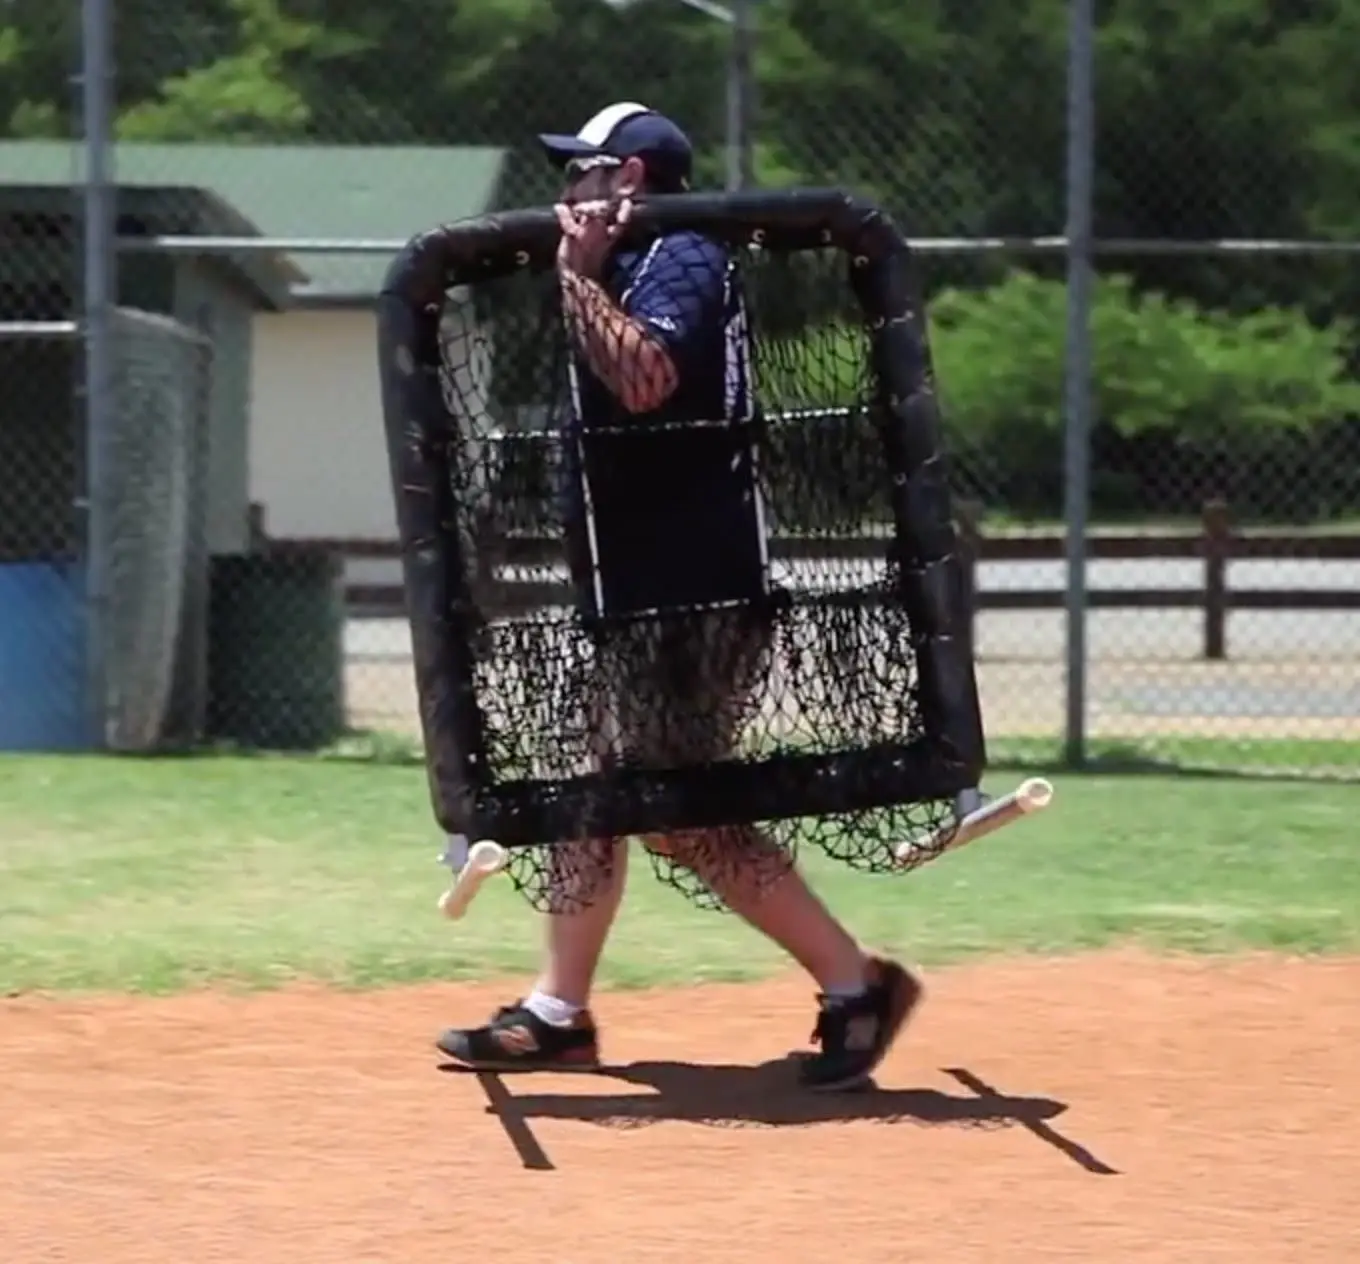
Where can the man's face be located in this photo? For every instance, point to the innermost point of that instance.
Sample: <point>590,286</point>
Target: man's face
<point>590,180</point>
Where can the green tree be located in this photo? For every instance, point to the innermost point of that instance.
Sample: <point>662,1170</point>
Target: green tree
<point>1223,117</point>
<point>1189,402</point>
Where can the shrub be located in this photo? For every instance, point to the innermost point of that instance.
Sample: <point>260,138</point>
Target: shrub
<point>1188,402</point>
<point>1159,363</point>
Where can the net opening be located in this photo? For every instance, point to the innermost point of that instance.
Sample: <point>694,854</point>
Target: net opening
<point>852,707</point>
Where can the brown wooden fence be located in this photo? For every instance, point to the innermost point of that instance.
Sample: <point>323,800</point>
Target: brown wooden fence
<point>1215,544</point>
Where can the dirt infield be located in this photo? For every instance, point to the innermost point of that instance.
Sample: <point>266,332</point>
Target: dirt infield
<point>1111,1108</point>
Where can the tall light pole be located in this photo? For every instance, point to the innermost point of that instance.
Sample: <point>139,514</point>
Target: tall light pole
<point>740,131</point>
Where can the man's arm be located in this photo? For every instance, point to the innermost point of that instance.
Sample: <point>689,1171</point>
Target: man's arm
<point>637,370</point>
<point>639,348</point>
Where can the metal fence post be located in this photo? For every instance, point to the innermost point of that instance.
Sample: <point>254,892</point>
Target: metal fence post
<point>741,98</point>
<point>99,297</point>
<point>1077,365</point>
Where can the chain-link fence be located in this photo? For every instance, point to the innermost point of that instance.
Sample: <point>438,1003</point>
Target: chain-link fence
<point>106,652</point>
<point>1250,453</point>
<point>272,156</point>
<point>152,492</point>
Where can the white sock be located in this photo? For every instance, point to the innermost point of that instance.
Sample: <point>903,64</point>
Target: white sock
<point>551,1010</point>
<point>845,992</point>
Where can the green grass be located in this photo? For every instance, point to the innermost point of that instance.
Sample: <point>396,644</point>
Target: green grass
<point>1252,757</point>
<point>160,874</point>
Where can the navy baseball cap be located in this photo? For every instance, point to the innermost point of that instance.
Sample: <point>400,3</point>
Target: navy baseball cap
<point>628,130</point>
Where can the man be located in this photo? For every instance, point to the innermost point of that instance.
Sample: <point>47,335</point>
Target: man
<point>664,514</point>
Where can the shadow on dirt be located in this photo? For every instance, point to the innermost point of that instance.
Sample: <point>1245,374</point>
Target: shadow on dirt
<point>767,1095</point>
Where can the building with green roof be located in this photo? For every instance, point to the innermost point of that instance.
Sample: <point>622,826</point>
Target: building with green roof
<point>354,193</point>
<point>297,425</point>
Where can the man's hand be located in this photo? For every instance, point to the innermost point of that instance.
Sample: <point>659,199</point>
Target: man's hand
<point>589,232</point>
<point>635,368</point>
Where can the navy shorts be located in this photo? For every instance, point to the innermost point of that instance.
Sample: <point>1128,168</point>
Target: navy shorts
<point>676,691</point>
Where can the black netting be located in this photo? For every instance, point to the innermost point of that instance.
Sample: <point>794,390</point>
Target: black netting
<point>676,582</point>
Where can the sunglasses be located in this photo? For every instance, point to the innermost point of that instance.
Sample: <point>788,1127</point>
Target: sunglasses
<point>579,167</point>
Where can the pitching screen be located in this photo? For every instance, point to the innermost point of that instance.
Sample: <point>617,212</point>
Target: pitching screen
<point>709,588</point>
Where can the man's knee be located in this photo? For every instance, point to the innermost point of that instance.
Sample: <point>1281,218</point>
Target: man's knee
<point>674,847</point>
<point>738,863</point>
<point>580,871</point>
<point>700,850</point>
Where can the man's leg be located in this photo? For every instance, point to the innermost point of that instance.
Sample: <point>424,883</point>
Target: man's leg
<point>553,1026</point>
<point>769,894</point>
<point>865,999</point>
<point>576,932</point>
<point>749,872</point>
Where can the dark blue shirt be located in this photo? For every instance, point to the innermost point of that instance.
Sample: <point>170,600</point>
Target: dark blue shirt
<point>663,507</point>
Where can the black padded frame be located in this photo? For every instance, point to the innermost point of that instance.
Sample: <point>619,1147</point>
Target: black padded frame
<point>947,761</point>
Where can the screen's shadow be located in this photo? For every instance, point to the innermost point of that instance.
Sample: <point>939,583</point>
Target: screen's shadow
<point>768,1095</point>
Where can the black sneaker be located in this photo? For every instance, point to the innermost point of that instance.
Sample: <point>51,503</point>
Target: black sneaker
<point>855,1033</point>
<point>516,1040</point>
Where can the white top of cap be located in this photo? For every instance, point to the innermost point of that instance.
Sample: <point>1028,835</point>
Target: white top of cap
<point>598,129</point>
